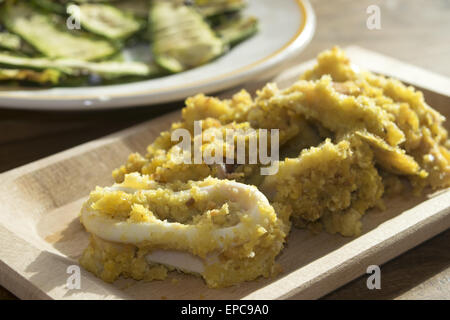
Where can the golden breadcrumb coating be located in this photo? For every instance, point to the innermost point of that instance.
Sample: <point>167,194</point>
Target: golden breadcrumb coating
<point>248,253</point>
<point>347,137</point>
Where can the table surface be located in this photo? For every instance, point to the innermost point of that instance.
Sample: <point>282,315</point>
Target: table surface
<point>414,31</point>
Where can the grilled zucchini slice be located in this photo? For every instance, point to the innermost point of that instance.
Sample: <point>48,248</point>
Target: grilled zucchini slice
<point>38,29</point>
<point>10,41</point>
<point>13,42</point>
<point>113,69</point>
<point>106,69</point>
<point>210,8</point>
<point>137,8</point>
<point>237,29</point>
<point>181,38</point>
<point>50,5</point>
<point>48,76</point>
<point>108,21</point>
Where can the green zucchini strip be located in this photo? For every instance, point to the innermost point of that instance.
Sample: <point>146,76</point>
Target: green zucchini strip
<point>50,5</point>
<point>47,76</point>
<point>10,41</point>
<point>181,38</point>
<point>210,8</point>
<point>137,8</point>
<point>106,69</point>
<point>108,21</point>
<point>112,69</point>
<point>237,30</point>
<point>37,28</point>
<point>13,42</point>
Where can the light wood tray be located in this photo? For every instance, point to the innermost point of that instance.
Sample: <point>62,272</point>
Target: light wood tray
<point>41,236</point>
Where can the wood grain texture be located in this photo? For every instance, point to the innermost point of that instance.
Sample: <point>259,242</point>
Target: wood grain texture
<point>412,31</point>
<point>429,278</point>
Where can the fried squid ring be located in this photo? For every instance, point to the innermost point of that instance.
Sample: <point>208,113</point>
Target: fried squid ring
<point>219,229</point>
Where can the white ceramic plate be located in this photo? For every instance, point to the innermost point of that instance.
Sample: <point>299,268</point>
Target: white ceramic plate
<point>286,27</point>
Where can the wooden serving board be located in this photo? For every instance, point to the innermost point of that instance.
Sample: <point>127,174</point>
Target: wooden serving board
<point>41,236</point>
